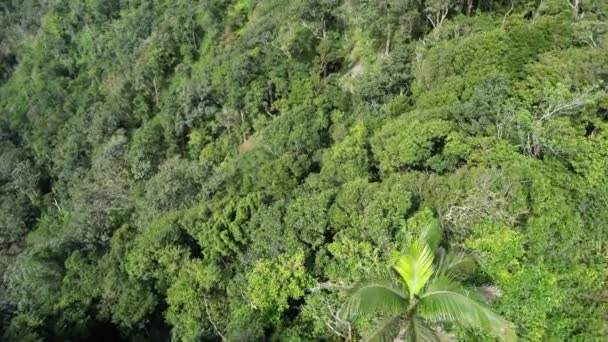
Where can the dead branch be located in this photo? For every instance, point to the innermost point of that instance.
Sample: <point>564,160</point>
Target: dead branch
<point>211,321</point>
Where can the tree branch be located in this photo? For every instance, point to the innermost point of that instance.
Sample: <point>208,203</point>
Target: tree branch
<point>211,321</point>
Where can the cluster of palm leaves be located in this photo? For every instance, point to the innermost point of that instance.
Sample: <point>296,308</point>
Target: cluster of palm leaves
<point>428,297</point>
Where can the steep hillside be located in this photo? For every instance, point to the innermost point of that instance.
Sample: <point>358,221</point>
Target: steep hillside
<point>227,170</point>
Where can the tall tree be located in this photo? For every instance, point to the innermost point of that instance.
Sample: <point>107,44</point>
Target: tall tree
<point>427,296</point>
<point>437,11</point>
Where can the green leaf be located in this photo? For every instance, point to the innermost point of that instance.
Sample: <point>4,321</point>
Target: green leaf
<point>455,264</point>
<point>421,331</point>
<point>374,297</point>
<point>445,300</point>
<point>416,267</point>
<point>432,235</point>
<point>386,330</point>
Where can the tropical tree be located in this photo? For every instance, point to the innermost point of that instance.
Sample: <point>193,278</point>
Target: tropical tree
<point>427,299</point>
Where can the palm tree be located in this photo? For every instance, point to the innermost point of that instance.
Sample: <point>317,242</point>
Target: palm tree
<point>427,297</point>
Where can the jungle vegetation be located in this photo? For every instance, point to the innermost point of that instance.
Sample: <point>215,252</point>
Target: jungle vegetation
<point>238,170</point>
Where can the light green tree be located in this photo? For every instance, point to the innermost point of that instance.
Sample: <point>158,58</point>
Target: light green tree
<point>427,299</point>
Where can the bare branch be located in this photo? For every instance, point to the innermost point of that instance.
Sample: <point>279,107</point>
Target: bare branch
<point>211,321</point>
<point>504,19</point>
<point>56,204</point>
<point>327,285</point>
<point>314,31</point>
<point>554,109</point>
<point>338,322</point>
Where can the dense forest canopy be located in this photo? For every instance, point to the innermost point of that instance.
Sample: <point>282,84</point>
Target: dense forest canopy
<point>227,169</point>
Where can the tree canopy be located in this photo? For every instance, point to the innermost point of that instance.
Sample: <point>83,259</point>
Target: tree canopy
<point>201,170</point>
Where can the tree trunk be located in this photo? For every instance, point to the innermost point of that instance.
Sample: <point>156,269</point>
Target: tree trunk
<point>575,5</point>
<point>469,6</point>
<point>387,47</point>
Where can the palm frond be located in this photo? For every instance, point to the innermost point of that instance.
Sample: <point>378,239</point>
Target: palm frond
<point>415,267</point>
<point>376,297</point>
<point>432,234</point>
<point>422,332</point>
<point>455,264</point>
<point>447,301</point>
<point>386,330</point>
